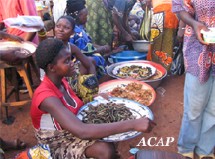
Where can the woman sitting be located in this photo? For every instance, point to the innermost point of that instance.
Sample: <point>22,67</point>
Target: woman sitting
<point>85,66</point>
<point>78,11</point>
<point>55,105</point>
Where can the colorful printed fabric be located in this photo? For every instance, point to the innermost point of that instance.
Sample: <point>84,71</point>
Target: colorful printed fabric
<point>100,24</point>
<point>162,48</point>
<point>88,87</point>
<point>198,58</point>
<point>85,86</point>
<point>63,144</point>
<point>40,151</point>
<point>84,42</point>
<point>81,39</point>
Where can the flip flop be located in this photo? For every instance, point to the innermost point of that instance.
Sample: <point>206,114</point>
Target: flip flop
<point>19,144</point>
<point>15,145</point>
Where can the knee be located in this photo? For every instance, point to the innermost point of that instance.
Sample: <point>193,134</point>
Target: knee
<point>106,151</point>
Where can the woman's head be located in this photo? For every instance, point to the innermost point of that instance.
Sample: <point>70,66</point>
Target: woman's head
<point>51,54</point>
<point>77,9</point>
<point>47,50</point>
<point>64,27</point>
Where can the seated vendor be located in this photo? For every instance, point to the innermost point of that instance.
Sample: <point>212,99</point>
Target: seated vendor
<point>79,12</point>
<point>81,39</point>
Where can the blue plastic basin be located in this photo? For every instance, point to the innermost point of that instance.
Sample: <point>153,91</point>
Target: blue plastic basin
<point>128,56</point>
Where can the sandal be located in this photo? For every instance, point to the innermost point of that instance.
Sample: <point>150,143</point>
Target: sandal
<point>15,145</point>
<point>19,144</point>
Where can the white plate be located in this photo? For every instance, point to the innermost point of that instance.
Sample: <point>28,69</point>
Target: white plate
<point>142,65</point>
<point>137,110</point>
<point>5,45</point>
<point>107,87</point>
<point>209,36</point>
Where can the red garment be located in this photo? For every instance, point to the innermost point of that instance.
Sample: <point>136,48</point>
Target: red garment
<point>13,8</point>
<point>44,120</point>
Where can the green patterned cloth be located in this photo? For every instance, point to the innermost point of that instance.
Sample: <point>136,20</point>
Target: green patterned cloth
<point>99,25</point>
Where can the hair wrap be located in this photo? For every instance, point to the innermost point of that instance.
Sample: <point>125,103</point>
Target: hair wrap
<point>74,6</point>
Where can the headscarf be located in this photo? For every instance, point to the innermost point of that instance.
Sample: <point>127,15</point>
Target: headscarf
<point>74,6</point>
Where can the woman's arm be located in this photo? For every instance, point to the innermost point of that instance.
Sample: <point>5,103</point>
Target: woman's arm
<point>197,26</point>
<point>180,32</point>
<point>4,35</point>
<point>91,131</point>
<point>86,62</point>
<point>118,21</point>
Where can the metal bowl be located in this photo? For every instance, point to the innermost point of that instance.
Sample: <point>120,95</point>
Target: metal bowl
<point>141,45</point>
<point>154,83</point>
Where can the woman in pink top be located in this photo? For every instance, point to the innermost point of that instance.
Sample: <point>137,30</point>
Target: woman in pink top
<point>197,133</point>
<point>54,108</point>
<point>13,8</point>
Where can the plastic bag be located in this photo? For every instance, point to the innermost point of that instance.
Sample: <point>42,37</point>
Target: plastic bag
<point>177,67</point>
<point>25,23</point>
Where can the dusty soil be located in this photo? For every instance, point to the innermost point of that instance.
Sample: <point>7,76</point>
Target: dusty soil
<point>167,110</point>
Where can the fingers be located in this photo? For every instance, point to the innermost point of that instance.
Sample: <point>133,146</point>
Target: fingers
<point>200,38</point>
<point>151,125</point>
<point>151,122</point>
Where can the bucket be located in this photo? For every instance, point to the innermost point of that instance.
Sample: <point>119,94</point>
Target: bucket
<point>127,56</point>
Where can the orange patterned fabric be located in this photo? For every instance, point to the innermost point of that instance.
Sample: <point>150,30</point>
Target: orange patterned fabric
<point>171,20</point>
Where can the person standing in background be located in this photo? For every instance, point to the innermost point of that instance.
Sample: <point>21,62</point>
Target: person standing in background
<point>166,21</point>
<point>197,133</point>
<point>13,8</point>
<point>104,14</point>
<point>58,9</point>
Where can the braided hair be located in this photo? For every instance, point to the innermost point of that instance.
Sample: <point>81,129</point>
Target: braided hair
<point>47,50</point>
<point>73,7</point>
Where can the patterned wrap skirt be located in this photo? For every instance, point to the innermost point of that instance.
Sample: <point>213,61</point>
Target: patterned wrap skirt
<point>63,144</point>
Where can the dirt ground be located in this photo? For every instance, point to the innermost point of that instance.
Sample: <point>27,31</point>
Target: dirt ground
<point>167,110</point>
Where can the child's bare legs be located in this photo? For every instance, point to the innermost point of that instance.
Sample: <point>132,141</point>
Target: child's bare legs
<point>102,150</point>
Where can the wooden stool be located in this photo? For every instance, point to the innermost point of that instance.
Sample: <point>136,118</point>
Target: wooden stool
<point>156,154</point>
<point>22,70</point>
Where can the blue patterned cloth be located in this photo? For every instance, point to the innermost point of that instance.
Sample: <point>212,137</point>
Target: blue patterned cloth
<point>84,42</point>
<point>81,39</point>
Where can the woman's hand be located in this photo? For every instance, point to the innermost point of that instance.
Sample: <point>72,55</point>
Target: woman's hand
<point>197,27</point>
<point>144,125</point>
<point>127,37</point>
